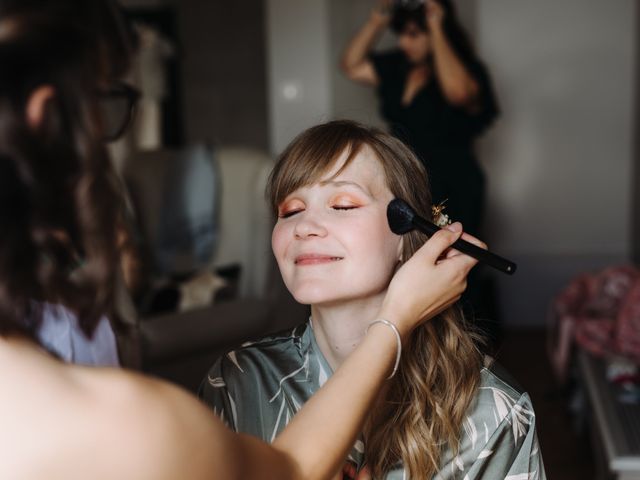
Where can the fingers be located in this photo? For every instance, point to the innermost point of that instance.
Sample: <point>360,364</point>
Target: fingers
<point>474,240</point>
<point>465,236</point>
<point>454,227</point>
<point>434,13</point>
<point>439,242</point>
<point>435,264</point>
<point>384,7</point>
<point>434,6</point>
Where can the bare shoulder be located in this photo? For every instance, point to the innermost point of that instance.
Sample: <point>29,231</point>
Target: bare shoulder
<point>155,429</point>
<point>173,435</point>
<point>68,422</point>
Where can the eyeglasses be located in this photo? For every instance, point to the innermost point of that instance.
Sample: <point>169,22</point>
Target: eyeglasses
<point>117,105</point>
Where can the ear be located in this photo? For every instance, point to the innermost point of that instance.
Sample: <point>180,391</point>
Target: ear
<point>37,104</point>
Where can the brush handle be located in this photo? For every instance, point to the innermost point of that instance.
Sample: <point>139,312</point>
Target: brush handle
<point>480,254</point>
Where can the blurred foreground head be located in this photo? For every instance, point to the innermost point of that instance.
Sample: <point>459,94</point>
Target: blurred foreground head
<point>58,203</point>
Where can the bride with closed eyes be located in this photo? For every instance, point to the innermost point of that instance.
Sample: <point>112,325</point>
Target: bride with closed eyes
<point>329,191</point>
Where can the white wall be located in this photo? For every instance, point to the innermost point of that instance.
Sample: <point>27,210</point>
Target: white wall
<point>298,67</point>
<point>350,100</point>
<point>560,159</point>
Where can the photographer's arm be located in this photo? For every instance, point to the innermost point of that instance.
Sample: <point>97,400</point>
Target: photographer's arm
<point>457,83</point>
<point>354,62</point>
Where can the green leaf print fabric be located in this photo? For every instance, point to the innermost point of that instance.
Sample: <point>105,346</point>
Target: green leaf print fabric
<point>259,387</point>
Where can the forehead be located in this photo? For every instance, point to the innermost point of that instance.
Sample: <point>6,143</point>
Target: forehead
<point>364,168</point>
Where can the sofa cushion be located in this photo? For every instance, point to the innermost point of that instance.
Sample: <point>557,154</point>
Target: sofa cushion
<point>176,196</point>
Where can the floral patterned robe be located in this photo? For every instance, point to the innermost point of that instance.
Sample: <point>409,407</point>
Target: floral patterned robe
<point>258,388</point>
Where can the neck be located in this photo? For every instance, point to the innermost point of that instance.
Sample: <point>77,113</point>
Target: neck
<point>339,329</point>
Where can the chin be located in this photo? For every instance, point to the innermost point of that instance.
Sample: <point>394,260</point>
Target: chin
<point>335,295</point>
<point>317,293</point>
<point>312,297</point>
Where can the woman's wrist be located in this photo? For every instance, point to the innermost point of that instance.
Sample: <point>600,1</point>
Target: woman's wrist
<point>403,322</point>
<point>437,31</point>
<point>386,323</point>
<point>382,339</point>
<point>379,18</point>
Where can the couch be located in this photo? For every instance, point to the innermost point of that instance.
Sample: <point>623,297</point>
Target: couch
<point>180,346</point>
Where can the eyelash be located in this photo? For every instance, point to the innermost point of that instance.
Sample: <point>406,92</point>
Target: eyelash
<point>346,207</point>
<point>337,207</point>
<point>288,214</point>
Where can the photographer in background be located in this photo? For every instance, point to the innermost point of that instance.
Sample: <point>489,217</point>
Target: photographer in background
<point>434,93</point>
<point>436,96</point>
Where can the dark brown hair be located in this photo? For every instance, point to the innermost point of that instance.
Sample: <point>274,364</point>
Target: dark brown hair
<point>405,14</point>
<point>58,200</point>
<point>440,366</point>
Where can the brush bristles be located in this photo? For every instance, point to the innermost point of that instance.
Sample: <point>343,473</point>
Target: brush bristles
<point>400,217</point>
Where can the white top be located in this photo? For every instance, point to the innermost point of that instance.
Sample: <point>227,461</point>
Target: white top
<point>61,334</point>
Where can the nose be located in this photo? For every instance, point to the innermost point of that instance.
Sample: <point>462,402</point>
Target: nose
<point>309,226</point>
<point>404,43</point>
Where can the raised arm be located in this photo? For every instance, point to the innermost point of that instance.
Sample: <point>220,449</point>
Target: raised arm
<point>457,83</point>
<point>177,437</point>
<point>335,423</point>
<point>354,62</point>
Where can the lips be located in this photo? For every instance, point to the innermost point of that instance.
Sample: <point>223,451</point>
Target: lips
<point>315,259</point>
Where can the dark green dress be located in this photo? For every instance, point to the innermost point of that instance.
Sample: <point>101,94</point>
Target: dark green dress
<point>258,388</point>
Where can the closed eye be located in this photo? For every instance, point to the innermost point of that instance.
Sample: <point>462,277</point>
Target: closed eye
<point>344,207</point>
<point>288,214</point>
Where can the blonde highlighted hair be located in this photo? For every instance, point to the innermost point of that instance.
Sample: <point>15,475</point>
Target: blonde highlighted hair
<point>425,404</point>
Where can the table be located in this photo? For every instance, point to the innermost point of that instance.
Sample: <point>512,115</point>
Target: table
<point>615,426</point>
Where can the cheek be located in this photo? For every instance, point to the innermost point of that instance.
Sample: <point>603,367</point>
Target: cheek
<point>279,242</point>
<point>376,241</point>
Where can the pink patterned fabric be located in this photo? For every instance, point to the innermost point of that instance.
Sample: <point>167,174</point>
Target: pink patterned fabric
<point>601,313</point>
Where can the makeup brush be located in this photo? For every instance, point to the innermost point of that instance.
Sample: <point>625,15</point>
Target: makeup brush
<point>402,219</point>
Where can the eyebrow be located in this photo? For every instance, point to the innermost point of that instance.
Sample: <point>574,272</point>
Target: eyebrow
<point>344,183</point>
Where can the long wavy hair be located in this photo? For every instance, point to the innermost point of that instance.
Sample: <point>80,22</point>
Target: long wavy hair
<point>439,372</point>
<point>58,200</point>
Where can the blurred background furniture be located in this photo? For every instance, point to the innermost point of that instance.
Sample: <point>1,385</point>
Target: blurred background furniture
<point>180,346</point>
<point>614,425</point>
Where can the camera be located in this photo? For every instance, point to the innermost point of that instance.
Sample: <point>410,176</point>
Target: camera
<point>408,4</point>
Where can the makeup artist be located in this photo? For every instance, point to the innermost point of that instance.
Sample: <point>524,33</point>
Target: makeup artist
<point>434,93</point>
<point>61,59</point>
